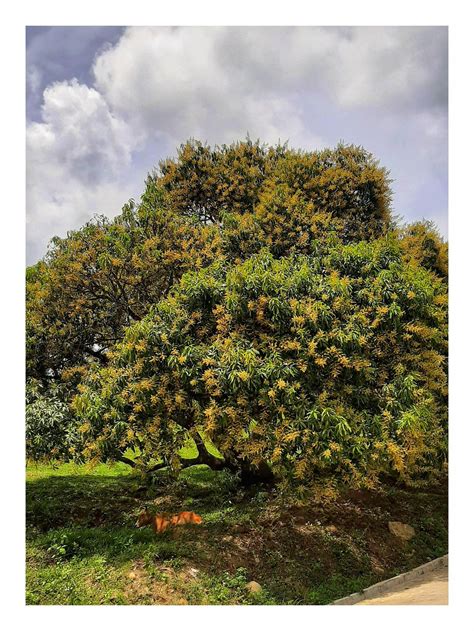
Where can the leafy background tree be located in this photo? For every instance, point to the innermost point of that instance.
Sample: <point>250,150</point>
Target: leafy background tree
<point>260,300</point>
<point>422,244</point>
<point>103,277</point>
<point>51,428</point>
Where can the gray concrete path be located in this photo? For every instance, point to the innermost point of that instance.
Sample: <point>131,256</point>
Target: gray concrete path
<point>428,589</point>
<point>425,585</point>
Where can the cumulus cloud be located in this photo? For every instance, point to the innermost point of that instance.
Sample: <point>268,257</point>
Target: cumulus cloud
<point>385,87</point>
<point>177,82</point>
<point>58,53</point>
<point>182,76</point>
<point>75,159</point>
<point>81,133</point>
<point>357,66</point>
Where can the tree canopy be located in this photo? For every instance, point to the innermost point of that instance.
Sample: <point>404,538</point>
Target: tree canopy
<point>259,299</point>
<point>309,365</point>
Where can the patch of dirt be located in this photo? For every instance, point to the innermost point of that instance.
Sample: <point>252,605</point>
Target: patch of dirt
<point>348,535</point>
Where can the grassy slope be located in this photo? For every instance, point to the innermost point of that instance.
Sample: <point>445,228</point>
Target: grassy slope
<point>83,547</point>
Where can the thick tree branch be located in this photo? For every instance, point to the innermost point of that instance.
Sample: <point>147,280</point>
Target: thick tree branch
<point>203,457</point>
<point>249,474</point>
<point>156,467</point>
<point>126,460</point>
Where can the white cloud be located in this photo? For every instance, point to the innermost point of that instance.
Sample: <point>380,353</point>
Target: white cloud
<point>177,78</point>
<point>391,66</point>
<point>75,158</point>
<point>62,208</point>
<point>176,82</point>
<point>80,133</point>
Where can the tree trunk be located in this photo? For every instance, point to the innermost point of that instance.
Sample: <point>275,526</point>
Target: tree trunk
<point>261,474</point>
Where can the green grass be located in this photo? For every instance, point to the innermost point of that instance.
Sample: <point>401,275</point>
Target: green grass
<point>83,547</point>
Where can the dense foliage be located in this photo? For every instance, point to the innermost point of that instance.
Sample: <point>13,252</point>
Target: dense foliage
<point>51,429</point>
<point>105,276</point>
<point>314,365</point>
<point>422,245</point>
<point>259,298</point>
<point>278,196</point>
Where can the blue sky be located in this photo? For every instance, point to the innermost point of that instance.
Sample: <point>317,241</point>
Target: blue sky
<point>104,104</point>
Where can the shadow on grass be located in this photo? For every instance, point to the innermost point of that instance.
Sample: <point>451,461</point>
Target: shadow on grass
<point>76,518</point>
<point>79,500</point>
<point>114,500</point>
<point>293,568</point>
<point>71,517</point>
